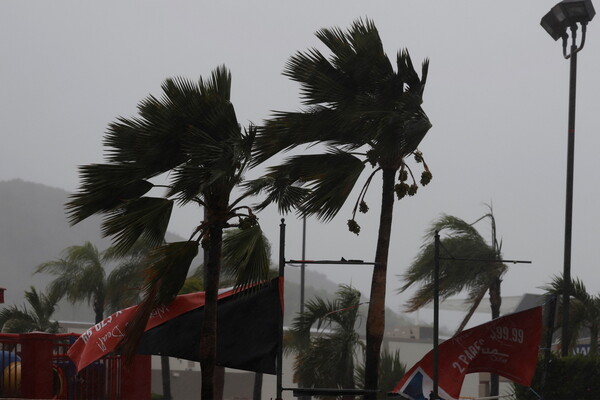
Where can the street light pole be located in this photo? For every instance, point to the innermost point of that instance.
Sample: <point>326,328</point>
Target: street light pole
<point>567,15</point>
<point>436,315</point>
<point>565,337</point>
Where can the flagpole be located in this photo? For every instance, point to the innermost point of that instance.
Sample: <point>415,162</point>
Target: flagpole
<point>436,314</point>
<point>280,344</point>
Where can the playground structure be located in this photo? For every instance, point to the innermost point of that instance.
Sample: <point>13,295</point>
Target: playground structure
<point>36,366</point>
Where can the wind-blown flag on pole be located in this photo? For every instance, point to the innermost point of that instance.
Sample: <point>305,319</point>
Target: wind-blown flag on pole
<point>507,346</point>
<point>248,324</point>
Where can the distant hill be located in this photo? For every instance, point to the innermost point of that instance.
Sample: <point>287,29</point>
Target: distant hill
<point>34,229</point>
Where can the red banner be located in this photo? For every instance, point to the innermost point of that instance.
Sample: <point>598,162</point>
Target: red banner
<point>507,346</point>
<point>104,337</point>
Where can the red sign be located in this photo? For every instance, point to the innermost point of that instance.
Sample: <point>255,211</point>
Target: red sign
<point>507,346</point>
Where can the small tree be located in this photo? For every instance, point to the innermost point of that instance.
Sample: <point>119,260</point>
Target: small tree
<point>327,358</point>
<point>36,317</point>
<point>463,242</point>
<point>81,276</point>
<point>585,310</point>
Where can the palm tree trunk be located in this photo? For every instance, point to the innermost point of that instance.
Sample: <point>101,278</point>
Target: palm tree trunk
<point>98,309</point>
<point>471,311</point>
<point>376,315</point>
<point>208,335</point>
<point>495,303</point>
<point>165,370</point>
<point>219,382</point>
<point>593,340</point>
<point>258,382</point>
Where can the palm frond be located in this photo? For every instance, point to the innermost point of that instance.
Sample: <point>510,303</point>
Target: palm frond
<point>124,285</point>
<point>330,178</point>
<point>146,217</point>
<point>218,84</point>
<point>279,189</point>
<point>169,265</point>
<point>245,256</point>
<point>468,270</point>
<point>105,187</point>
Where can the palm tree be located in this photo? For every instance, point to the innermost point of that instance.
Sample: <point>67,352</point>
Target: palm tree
<point>471,270</point>
<point>81,276</point>
<point>35,318</point>
<point>192,134</point>
<point>364,113</point>
<point>585,310</point>
<point>327,360</point>
<point>464,243</point>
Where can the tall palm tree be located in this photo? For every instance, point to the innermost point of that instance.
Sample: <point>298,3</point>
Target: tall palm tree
<point>81,276</point>
<point>192,134</point>
<point>364,113</point>
<point>36,317</point>
<point>329,358</point>
<point>585,310</point>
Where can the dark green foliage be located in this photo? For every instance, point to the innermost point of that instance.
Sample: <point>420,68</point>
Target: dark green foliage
<point>568,378</point>
<point>390,371</point>
<point>35,317</point>
<point>81,275</point>
<point>460,240</point>
<point>358,106</point>
<point>584,310</point>
<point>242,247</point>
<point>326,359</point>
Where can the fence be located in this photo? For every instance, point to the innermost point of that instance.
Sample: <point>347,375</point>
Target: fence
<point>36,366</point>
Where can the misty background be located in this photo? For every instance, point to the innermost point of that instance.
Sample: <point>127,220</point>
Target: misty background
<point>497,96</point>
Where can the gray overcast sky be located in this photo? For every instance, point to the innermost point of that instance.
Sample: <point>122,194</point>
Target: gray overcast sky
<point>496,95</point>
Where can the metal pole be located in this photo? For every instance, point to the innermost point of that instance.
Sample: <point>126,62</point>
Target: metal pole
<point>302,266</point>
<point>280,344</point>
<point>565,334</point>
<point>550,310</point>
<point>436,314</point>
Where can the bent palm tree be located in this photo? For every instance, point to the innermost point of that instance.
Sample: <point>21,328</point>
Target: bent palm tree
<point>327,360</point>
<point>36,318</point>
<point>81,276</point>
<point>365,113</point>
<point>471,271</point>
<point>465,243</point>
<point>192,134</point>
<point>585,310</point>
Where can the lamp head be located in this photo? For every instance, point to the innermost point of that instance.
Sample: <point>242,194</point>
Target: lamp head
<point>565,14</point>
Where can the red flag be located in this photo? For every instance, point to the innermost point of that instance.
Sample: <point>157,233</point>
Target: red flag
<point>247,338</point>
<point>507,346</point>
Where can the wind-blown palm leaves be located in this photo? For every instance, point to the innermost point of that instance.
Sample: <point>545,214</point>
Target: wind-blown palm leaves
<point>81,276</point>
<point>36,317</point>
<point>327,359</point>
<point>364,113</point>
<point>584,310</point>
<point>191,133</point>
<point>462,241</point>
